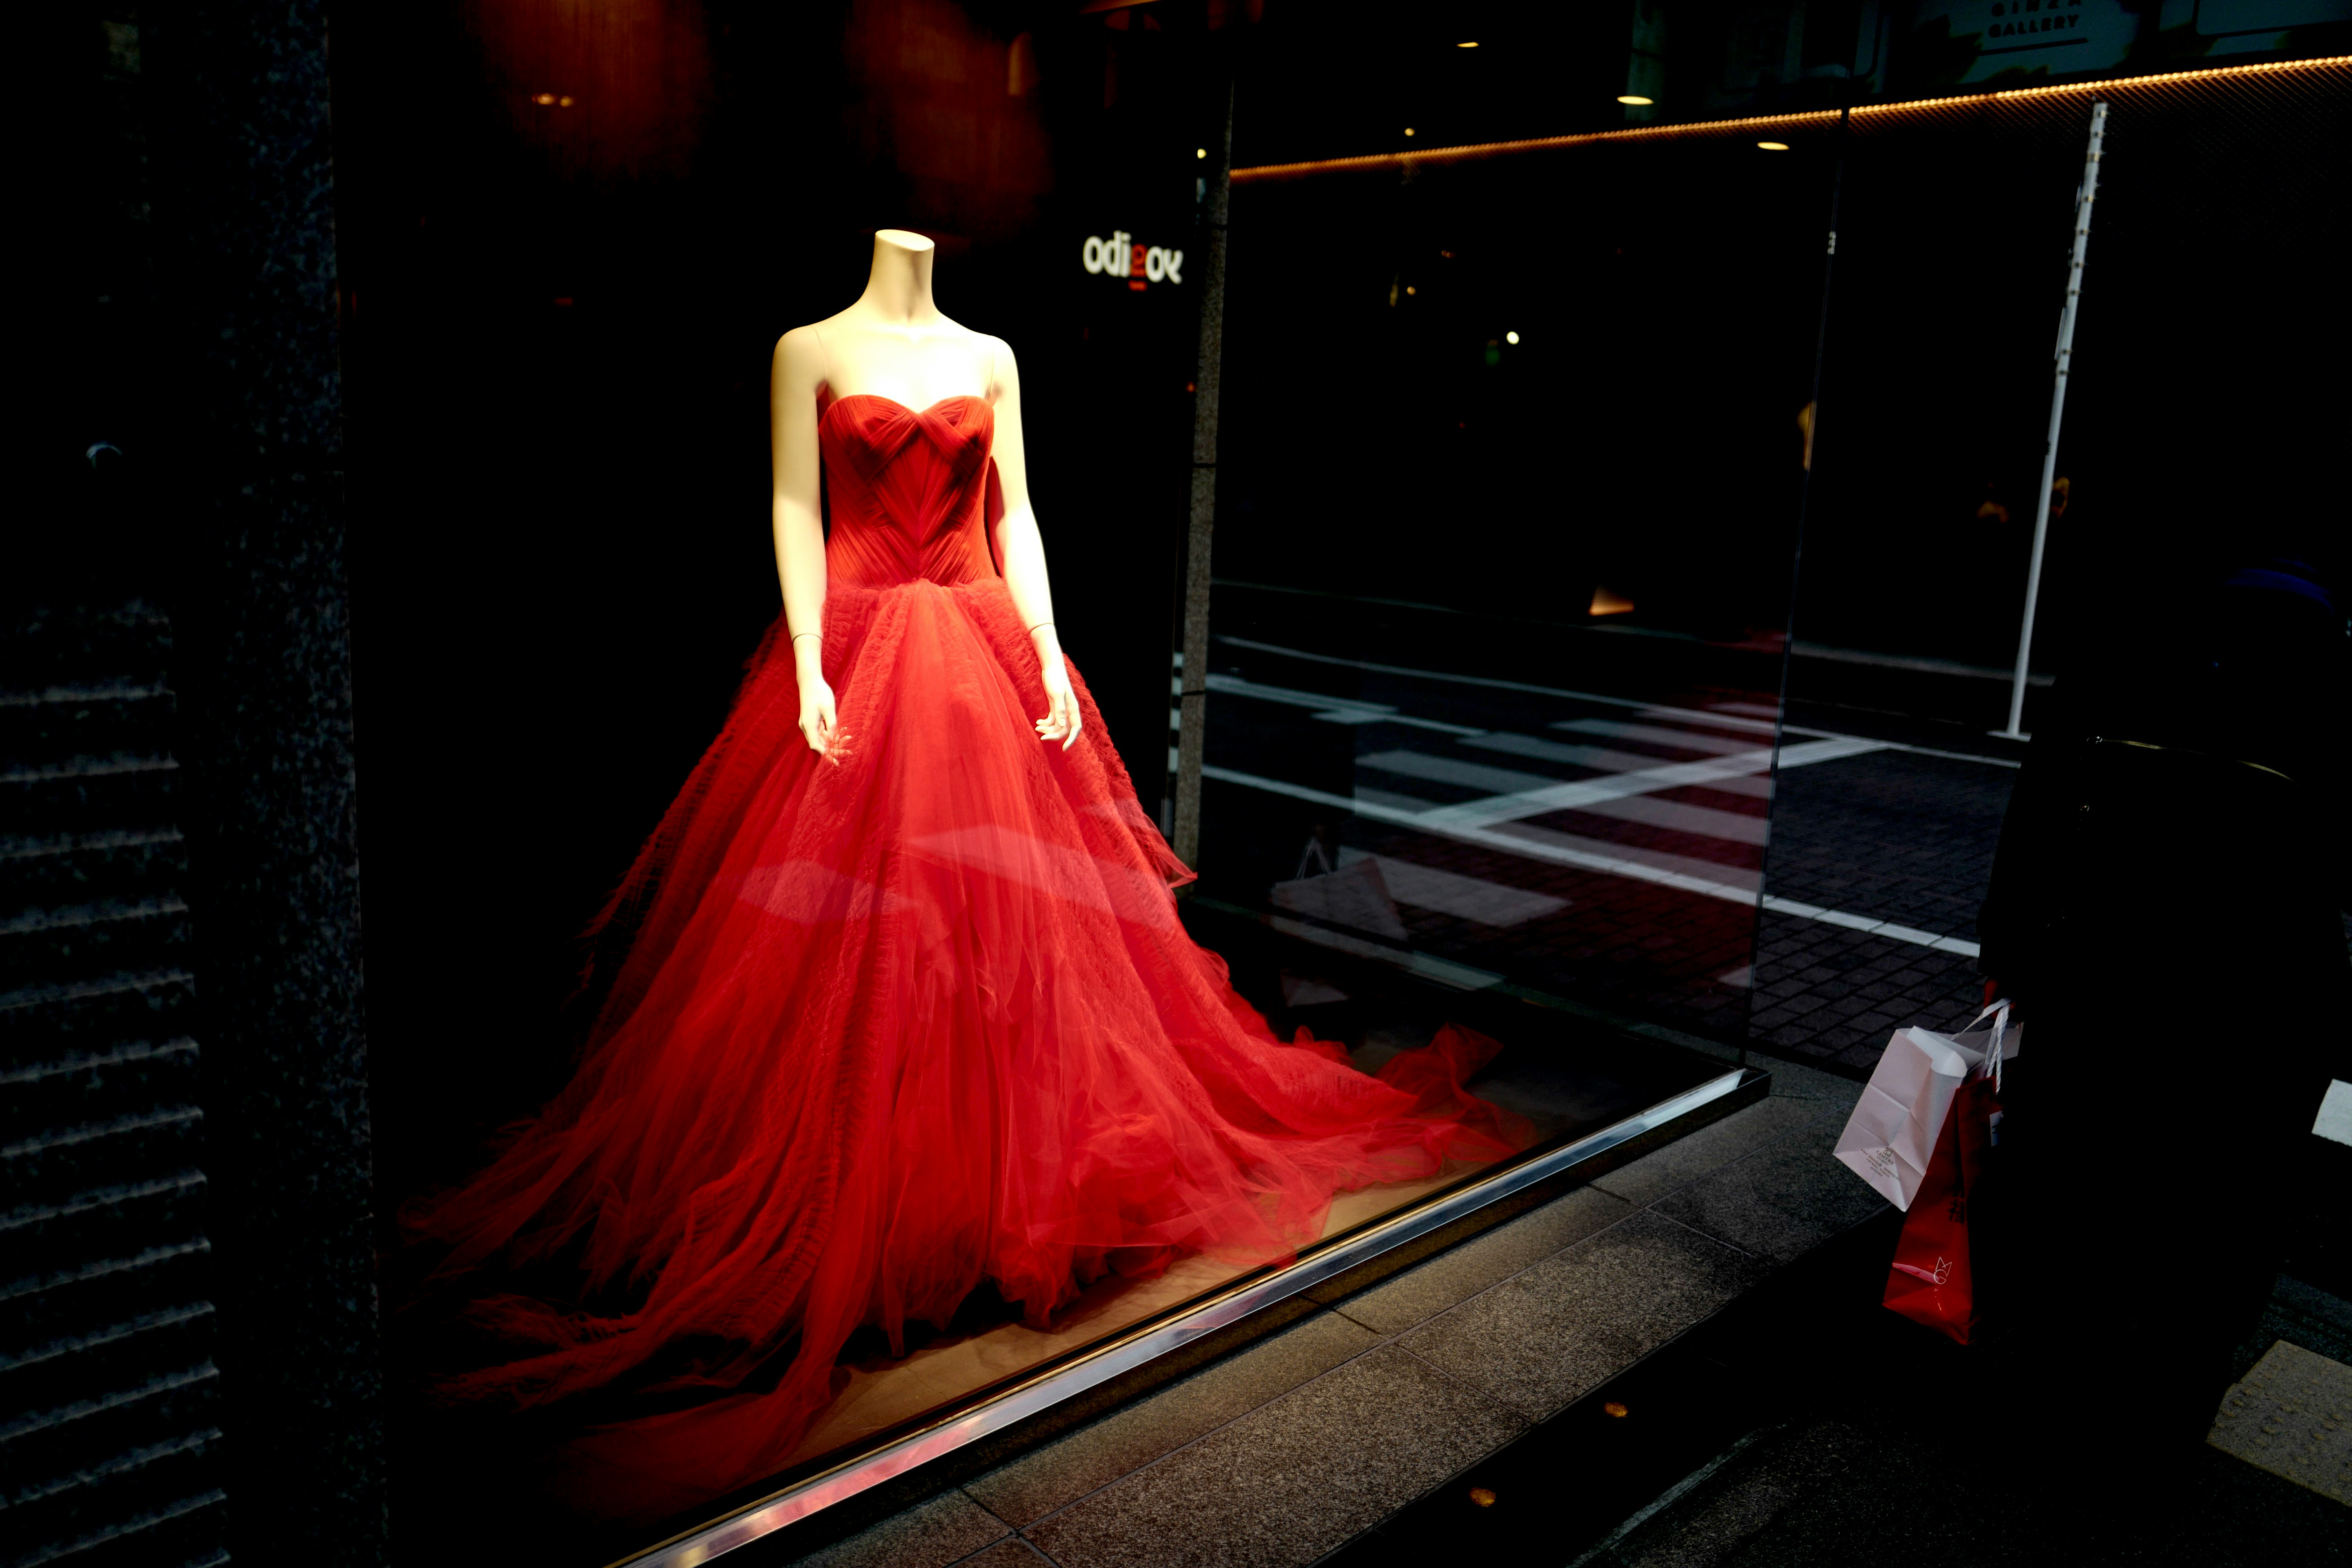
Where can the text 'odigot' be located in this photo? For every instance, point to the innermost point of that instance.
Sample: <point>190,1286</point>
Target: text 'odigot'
<point>1121,257</point>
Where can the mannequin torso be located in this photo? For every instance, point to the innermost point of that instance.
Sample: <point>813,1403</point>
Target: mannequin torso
<point>894,343</point>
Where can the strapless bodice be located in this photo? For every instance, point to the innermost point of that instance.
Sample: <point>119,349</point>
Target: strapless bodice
<point>907,490</point>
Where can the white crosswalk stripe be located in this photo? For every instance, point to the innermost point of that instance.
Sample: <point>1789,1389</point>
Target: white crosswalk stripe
<point>1700,821</point>
<point>1605,760</point>
<point>1718,719</point>
<point>1235,686</point>
<point>1681,740</point>
<point>1453,771</point>
<point>1332,709</point>
<point>1624,782</point>
<point>1580,792</point>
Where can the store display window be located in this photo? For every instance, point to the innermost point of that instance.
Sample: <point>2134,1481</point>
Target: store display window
<point>912,1083</point>
<point>1023,706</point>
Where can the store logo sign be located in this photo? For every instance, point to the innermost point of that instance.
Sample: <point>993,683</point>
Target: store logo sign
<point>1140,265</point>
<point>2047,21</point>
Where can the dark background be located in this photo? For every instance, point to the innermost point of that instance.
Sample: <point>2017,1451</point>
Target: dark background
<point>1642,434</point>
<point>2203,427</point>
<point>559,324</point>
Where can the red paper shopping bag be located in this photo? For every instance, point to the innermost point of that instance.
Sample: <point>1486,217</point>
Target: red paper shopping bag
<point>1933,1280</point>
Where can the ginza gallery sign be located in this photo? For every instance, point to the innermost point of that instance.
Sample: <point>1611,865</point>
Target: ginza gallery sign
<point>1140,265</point>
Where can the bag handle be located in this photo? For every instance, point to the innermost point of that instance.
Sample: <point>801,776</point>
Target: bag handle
<point>1997,1055</point>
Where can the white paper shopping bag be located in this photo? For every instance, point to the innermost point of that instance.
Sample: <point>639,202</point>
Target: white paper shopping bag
<point>1893,1131</point>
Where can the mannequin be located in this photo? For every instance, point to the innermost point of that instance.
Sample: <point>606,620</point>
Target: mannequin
<point>895,342</point>
<point>898,1007</point>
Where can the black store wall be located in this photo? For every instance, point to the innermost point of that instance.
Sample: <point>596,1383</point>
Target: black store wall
<point>2204,422</point>
<point>572,238</point>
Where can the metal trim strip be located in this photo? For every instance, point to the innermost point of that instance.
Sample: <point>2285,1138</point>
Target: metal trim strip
<point>1155,1339</point>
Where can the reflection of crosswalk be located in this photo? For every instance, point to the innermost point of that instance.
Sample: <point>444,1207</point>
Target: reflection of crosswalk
<point>1681,816</point>
<point>1631,764</point>
<point>1451,893</point>
<point>1579,794</point>
<point>1363,891</point>
<point>1681,740</point>
<point>1727,752</point>
<point>1332,710</point>
<point>1503,781</point>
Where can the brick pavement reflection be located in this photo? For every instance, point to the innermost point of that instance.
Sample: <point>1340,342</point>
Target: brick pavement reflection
<point>1894,834</point>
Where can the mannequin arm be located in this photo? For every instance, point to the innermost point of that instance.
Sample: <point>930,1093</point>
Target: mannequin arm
<point>1022,550</point>
<point>793,378</point>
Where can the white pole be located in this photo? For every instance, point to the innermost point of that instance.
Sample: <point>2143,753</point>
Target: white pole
<point>2083,199</point>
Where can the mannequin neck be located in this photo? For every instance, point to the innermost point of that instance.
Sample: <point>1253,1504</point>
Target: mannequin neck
<point>899,290</point>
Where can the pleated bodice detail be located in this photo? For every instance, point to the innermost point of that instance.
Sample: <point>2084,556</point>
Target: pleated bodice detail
<point>906,490</point>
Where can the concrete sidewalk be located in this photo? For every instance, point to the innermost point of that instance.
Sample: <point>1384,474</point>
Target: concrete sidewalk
<point>1909,1446</point>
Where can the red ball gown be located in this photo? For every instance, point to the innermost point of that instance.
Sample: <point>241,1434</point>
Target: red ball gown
<point>899,1021</point>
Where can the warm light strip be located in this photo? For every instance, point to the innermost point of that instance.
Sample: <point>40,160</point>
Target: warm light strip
<point>1809,117</point>
<point>1534,144</point>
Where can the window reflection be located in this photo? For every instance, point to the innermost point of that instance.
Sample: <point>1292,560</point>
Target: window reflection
<point>1495,673</point>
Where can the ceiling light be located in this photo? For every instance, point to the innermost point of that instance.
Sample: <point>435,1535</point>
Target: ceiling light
<point>1200,152</point>
<point>1510,337</point>
<point>1471,45</point>
<point>1773,146</point>
<point>1408,129</point>
<point>1634,98</point>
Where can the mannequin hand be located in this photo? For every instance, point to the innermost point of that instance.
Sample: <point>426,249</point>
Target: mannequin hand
<point>1061,721</point>
<point>819,725</point>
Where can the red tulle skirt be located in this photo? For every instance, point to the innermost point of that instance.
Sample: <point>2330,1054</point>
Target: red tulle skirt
<point>888,1025</point>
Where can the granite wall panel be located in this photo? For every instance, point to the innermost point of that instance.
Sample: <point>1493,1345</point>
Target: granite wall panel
<point>246,261</point>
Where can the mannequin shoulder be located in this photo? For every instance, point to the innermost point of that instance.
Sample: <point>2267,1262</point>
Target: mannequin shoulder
<point>1004,371</point>
<point>799,351</point>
